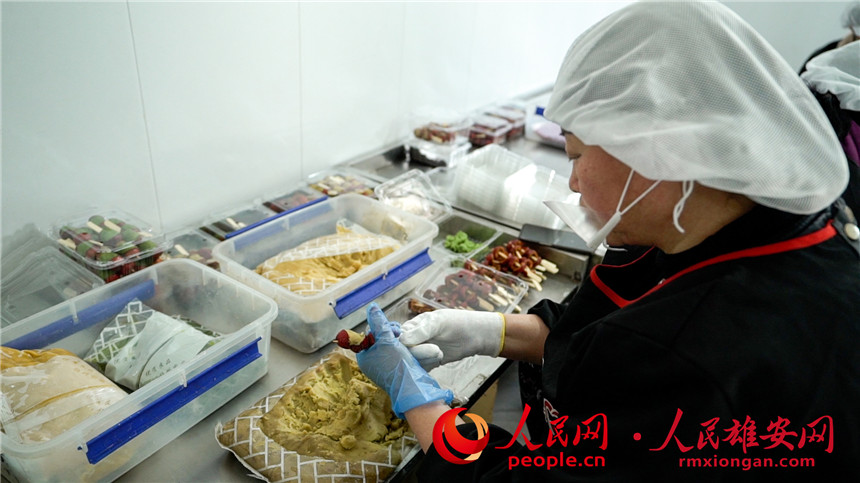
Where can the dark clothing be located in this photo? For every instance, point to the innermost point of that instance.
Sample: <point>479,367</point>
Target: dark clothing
<point>758,324</point>
<point>846,125</point>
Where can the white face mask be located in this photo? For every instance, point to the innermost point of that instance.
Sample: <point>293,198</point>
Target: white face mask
<point>585,222</point>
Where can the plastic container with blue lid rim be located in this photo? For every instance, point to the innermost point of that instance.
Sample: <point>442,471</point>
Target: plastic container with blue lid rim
<point>106,445</point>
<point>309,322</point>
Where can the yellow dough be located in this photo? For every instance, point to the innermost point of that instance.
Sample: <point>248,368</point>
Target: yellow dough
<point>335,412</point>
<point>319,263</point>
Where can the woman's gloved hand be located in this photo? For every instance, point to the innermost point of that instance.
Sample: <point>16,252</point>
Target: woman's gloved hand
<point>447,335</point>
<point>392,367</point>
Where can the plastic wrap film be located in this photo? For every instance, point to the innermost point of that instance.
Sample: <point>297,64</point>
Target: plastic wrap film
<point>45,393</point>
<point>317,264</point>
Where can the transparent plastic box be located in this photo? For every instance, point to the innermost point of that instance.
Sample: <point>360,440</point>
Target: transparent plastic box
<point>516,119</point>
<point>434,155</point>
<point>478,233</point>
<point>336,182</point>
<point>110,243</point>
<point>195,245</point>
<point>308,322</point>
<point>41,280</point>
<point>440,126</point>
<point>460,283</point>
<point>511,186</point>
<point>488,130</point>
<point>293,200</point>
<point>233,222</point>
<point>413,191</point>
<point>106,445</point>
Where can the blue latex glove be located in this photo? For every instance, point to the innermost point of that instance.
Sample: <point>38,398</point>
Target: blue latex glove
<point>392,367</point>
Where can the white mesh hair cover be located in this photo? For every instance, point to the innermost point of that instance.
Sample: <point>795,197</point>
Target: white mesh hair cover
<point>689,91</point>
<point>837,71</point>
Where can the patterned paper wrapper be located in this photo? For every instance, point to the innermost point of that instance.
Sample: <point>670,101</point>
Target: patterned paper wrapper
<point>269,461</point>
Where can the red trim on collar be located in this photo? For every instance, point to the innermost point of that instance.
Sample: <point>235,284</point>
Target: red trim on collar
<point>803,241</point>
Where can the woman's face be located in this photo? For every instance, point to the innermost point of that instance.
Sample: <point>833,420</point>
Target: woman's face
<point>599,178</point>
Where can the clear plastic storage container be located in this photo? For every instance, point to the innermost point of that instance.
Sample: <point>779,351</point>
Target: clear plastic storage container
<point>435,155</point>
<point>516,119</point>
<point>488,130</point>
<point>231,223</point>
<point>511,186</point>
<point>41,280</point>
<point>337,182</point>
<point>477,234</point>
<point>294,200</point>
<point>195,245</point>
<point>460,283</point>
<point>308,322</point>
<point>440,126</point>
<point>110,243</point>
<point>413,191</point>
<point>106,445</point>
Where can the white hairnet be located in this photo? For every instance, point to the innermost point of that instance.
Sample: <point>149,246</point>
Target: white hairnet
<point>851,17</point>
<point>837,71</point>
<point>683,91</point>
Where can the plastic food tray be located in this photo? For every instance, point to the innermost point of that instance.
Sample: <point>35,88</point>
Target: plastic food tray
<point>307,323</point>
<point>459,283</point>
<point>107,445</point>
<point>511,186</point>
<point>235,222</point>
<point>488,130</point>
<point>294,200</point>
<point>121,244</point>
<point>436,155</point>
<point>516,119</point>
<point>195,245</point>
<point>43,279</point>
<point>476,231</point>
<point>338,182</point>
<point>440,126</point>
<point>413,191</point>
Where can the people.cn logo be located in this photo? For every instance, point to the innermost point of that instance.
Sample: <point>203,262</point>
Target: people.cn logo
<point>445,431</point>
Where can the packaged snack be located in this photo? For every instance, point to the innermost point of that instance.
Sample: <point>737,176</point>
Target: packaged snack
<point>141,344</point>
<point>194,245</point>
<point>47,392</point>
<point>516,119</point>
<point>293,200</point>
<point>111,244</point>
<point>225,226</point>
<point>488,130</point>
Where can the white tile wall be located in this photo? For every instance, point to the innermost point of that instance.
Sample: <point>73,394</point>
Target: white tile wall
<point>221,88</point>
<point>73,130</point>
<point>177,110</point>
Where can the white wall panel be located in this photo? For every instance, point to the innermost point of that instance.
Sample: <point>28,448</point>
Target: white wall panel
<point>351,79</point>
<point>795,29</point>
<point>73,131</point>
<point>437,44</point>
<point>220,87</point>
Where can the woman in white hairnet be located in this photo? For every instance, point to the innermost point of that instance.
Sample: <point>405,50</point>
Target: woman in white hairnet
<point>728,351</point>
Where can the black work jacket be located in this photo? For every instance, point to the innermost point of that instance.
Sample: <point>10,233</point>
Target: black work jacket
<point>708,365</point>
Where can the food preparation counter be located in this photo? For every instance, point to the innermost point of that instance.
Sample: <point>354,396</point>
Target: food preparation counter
<point>196,456</point>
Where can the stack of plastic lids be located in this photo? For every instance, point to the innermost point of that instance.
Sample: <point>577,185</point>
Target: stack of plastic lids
<point>510,186</point>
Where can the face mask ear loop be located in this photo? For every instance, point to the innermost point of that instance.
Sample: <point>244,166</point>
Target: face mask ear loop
<point>686,191</point>
<point>638,198</point>
<point>621,200</point>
